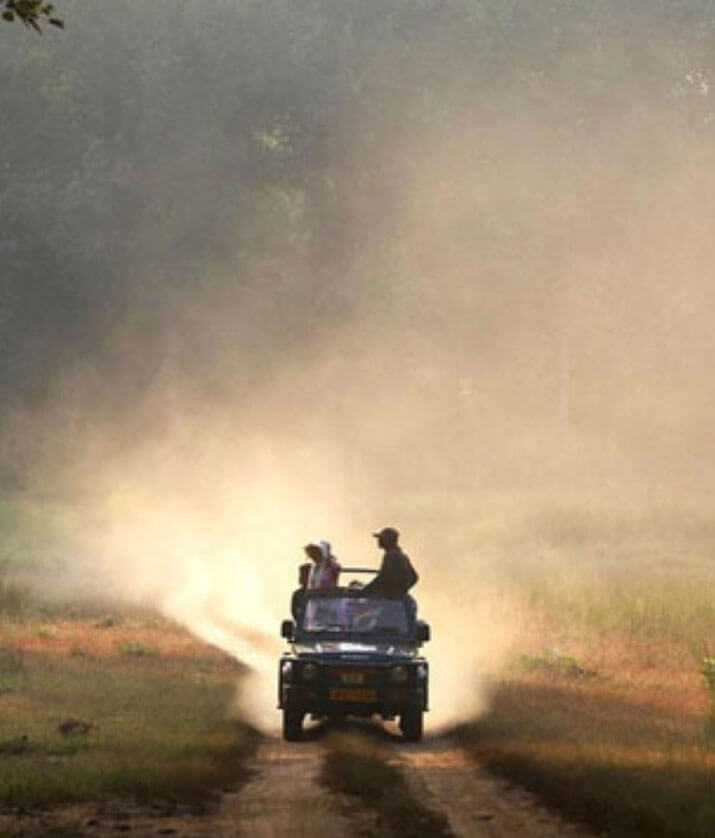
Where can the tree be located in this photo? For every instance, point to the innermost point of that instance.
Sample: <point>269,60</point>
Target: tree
<point>32,13</point>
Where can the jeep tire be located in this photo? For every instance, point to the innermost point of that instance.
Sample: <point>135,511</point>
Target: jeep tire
<point>292,724</point>
<point>411,724</point>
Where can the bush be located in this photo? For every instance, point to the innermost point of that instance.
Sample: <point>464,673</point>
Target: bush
<point>139,650</point>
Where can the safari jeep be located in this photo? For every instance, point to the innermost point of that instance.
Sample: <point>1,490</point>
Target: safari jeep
<point>353,655</point>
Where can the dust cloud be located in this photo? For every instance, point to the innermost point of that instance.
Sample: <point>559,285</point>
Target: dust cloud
<point>523,322</point>
<point>209,532</point>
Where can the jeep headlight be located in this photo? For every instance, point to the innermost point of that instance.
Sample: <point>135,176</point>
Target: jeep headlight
<point>398,674</point>
<point>421,672</point>
<point>287,669</point>
<point>310,671</point>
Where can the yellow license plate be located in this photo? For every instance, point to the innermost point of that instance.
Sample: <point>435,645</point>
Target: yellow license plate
<point>352,677</point>
<point>353,695</point>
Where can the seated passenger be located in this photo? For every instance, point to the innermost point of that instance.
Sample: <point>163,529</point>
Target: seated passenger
<point>396,575</point>
<point>325,570</point>
<point>296,603</point>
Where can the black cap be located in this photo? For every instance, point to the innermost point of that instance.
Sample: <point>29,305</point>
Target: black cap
<point>387,532</point>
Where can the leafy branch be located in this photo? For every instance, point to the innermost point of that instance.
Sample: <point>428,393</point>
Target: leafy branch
<point>32,13</point>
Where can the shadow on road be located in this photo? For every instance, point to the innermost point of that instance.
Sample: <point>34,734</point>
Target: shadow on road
<point>373,729</point>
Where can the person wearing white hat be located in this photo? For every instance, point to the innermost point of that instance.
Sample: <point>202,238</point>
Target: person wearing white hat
<point>326,569</point>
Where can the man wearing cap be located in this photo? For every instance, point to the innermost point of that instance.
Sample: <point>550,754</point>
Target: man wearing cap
<point>396,575</point>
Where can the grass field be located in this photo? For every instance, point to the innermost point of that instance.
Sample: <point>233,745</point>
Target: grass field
<point>603,709</point>
<point>155,702</point>
<point>97,704</point>
<point>624,746</point>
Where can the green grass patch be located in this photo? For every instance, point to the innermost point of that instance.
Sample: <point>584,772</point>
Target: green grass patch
<point>12,670</point>
<point>555,663</point>
<point>354,767</point>
<point>707,670</point>
<point>154,729</point>
<point>671,607</point>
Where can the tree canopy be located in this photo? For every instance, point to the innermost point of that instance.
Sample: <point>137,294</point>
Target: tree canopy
<point>32,13</point>
<point>471,175</point>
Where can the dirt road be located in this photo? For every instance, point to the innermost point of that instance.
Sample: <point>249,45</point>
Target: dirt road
<point>283,796</point>
<point>476,803</point>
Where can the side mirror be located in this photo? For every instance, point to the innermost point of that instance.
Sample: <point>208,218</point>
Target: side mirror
<point>423,632</point>
<point>287,629</point>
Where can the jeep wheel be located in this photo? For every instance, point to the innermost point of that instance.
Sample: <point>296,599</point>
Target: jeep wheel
<point>411,724</point>
<point>292,724</point>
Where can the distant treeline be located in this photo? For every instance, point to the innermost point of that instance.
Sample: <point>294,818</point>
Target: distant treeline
<point>249,157</point>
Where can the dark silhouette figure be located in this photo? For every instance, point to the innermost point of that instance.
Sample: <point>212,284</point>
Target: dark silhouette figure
<point>298,598</point>
<point>396,575</point>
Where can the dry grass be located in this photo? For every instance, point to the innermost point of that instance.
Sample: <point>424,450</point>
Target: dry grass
<point>604,710</point>
<point>160,723</point>
<point>626,749</point>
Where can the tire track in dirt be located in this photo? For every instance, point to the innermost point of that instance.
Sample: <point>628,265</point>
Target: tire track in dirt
<point>478,804</point>
<point>282,796</point>
<point>285,797</point>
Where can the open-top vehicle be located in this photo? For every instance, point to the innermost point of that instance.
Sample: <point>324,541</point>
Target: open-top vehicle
<point>353,655</point>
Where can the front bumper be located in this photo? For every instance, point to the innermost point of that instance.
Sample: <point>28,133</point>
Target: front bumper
<point>323,701</point>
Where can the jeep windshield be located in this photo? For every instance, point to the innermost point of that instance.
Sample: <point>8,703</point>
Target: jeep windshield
<point>353,615</point>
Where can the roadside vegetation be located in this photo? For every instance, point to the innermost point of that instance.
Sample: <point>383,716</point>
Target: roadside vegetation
<point>96,705</point>
<point>606,709</point>
<point>83,718</point>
